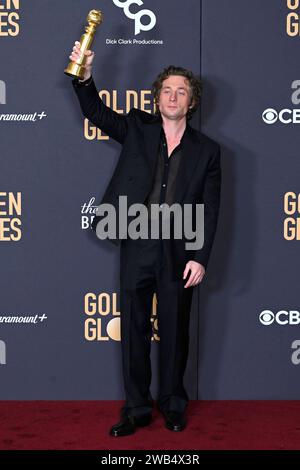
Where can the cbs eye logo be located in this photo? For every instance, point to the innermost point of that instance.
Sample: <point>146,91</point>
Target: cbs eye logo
<point>282,317</point>
<point>270,116</point>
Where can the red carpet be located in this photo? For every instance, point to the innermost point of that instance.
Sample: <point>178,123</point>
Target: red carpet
<point>213,425</point>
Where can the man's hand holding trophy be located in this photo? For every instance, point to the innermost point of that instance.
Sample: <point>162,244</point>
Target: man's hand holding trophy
<point>81,56</point>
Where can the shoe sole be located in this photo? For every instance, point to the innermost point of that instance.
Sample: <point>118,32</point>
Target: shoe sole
<point>175,428</point>
<point>139,424</point>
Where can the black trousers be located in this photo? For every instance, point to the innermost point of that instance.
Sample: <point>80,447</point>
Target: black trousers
<point>150,272</point>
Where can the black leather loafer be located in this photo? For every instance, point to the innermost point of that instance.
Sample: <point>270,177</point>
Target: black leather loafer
<point>128,425</point>
<point>175,421</point>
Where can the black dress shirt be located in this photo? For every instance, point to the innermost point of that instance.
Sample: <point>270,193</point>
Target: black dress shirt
<point>164,183</point>
<point>163,189</point>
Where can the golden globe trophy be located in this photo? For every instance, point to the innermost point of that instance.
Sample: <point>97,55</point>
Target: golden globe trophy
<point>76,69</point>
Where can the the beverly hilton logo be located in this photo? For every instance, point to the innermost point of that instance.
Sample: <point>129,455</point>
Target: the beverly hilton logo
<point>87,213</point>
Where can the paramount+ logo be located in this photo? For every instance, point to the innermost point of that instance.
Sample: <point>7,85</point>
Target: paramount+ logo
<point>282,317</point>
<point>144,19</point>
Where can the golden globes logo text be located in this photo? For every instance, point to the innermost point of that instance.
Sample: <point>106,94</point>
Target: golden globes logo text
<point>103,321</point>
<point>9,17</point>
<point>291,230</point>
<point>293,18</point>
<point>10,216</point>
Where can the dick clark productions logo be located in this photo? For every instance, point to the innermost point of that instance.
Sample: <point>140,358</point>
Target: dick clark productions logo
<point>137,17</point>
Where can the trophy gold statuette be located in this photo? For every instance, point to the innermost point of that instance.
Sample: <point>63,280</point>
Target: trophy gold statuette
<point>76,69</point>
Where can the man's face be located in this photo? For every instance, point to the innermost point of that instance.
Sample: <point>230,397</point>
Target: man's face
<point>175,97</point>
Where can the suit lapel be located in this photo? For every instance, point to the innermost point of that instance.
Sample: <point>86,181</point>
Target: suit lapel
<point>191,148</point>
<point>152,132</point>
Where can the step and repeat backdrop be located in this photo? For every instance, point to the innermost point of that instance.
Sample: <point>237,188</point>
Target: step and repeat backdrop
<point>59,309</point>
<point>59,293</point>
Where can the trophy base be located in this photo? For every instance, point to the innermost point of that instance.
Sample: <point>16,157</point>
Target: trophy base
<point>75,71</point>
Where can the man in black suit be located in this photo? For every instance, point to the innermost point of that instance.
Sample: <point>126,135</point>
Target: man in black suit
<point>163,161</point>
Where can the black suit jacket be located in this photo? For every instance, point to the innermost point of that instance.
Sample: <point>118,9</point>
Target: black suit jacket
<point>199,175</point>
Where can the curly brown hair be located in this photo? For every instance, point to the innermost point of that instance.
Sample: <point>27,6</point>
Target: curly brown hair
<point>194,81</point>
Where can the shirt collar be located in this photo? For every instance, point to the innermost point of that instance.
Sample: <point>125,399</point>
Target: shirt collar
<point>163,134</point>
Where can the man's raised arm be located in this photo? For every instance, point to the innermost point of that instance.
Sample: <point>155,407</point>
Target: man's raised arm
<point>112,123</point>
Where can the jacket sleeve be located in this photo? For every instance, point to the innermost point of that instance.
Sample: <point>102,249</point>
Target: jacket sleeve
<point>211,201</point>
<point>112,123</point>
